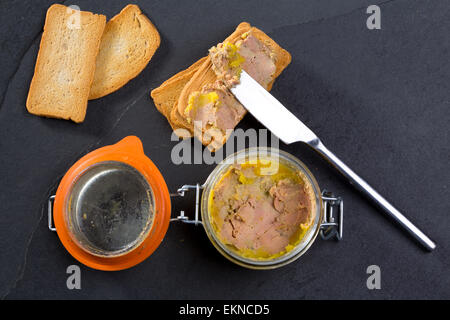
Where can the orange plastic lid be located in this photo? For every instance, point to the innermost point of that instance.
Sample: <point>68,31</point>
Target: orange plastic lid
<point>130,153</point>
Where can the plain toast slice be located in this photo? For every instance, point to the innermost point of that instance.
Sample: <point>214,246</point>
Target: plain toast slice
<point>65,64</point>
<point>128,43</point>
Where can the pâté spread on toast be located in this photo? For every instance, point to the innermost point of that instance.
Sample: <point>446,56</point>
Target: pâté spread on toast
<point>200,100</point>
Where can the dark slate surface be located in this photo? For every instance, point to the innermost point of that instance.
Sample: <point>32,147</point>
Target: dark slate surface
<point>379,99</point>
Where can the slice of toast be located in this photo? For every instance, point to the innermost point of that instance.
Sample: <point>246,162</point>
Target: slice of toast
<point>65,64</point>
<point>128,43</point>
<point>172,96</point>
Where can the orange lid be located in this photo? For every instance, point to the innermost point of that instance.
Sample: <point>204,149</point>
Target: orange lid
<point>128,151</point>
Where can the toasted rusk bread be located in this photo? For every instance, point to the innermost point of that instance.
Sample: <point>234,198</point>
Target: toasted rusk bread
<point>65,63</point>
<point>203,74</point>
<point>128,43</point>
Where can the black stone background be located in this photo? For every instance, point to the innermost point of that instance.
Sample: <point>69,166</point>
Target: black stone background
<point>379,99</point>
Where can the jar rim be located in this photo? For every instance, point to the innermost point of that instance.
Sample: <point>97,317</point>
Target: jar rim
<point>71,218</point>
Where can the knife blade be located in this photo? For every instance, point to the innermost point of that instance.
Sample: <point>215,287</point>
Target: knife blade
<point>289,129</point>
<point>270,112</point>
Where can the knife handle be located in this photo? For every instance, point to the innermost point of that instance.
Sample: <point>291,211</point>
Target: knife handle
<point>373,195</point>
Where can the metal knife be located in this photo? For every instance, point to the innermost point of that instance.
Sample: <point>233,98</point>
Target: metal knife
<point>288,128</point>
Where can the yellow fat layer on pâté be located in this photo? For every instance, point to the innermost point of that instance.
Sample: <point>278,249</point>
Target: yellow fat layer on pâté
<point>282,172</point>
<point>235,59</point>
<point>198,99</point>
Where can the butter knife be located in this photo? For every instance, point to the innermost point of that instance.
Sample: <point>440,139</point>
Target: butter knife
<point>288,128</point>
